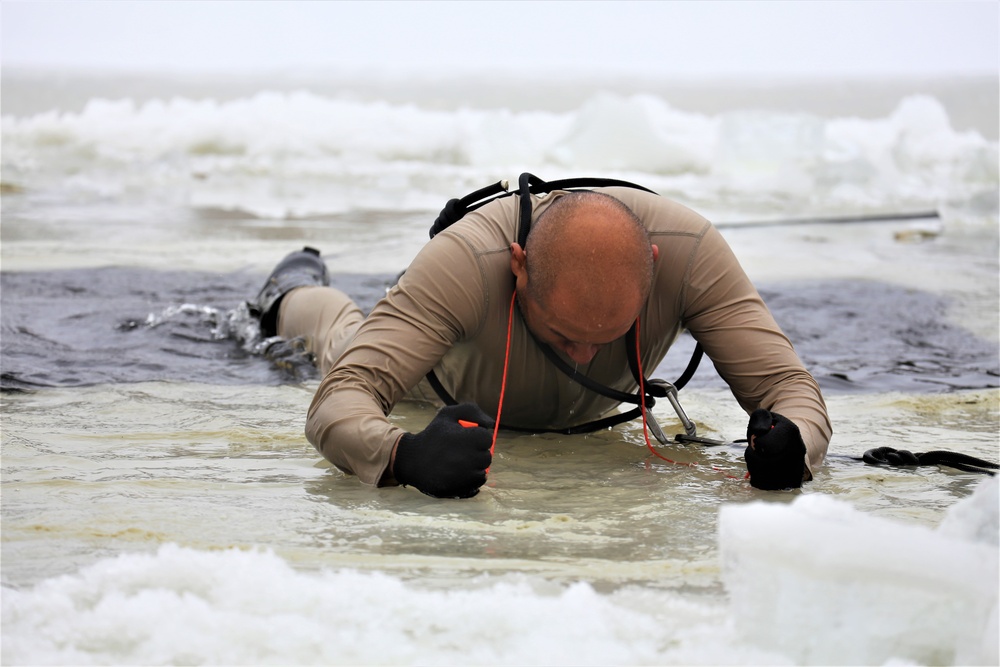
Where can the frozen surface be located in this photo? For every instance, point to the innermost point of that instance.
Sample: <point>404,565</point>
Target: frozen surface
<point>822,583</point>
<point>811,582</point>
<point>302,156</point>
<point>160,503</point>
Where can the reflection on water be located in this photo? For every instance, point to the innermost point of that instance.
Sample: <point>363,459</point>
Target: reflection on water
<point>92,472</point>
<point>163,427</point>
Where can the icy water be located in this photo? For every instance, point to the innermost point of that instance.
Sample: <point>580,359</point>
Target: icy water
<point>161,505</point>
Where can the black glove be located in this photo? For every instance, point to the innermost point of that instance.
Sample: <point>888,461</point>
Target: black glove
<point>446,459</point>
<point>775,455</point>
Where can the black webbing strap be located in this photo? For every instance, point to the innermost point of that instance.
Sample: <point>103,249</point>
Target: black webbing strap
<point>439,389</point>
<point>653,390</point>
<point>633,363</point>
<point>456,209</point>
<point>529,184</point>
<point>692,366</point>
<point>586,427</point>
<point>903,458</point>
<point>590,383</point>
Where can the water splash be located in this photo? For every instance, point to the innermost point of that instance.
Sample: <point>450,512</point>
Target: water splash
<point>240,325</point>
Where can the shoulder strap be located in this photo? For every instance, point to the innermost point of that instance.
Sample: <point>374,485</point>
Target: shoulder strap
<point>654,390</point>
<point>456,209</point>
<point>529,184</point>
<point>587,427</point>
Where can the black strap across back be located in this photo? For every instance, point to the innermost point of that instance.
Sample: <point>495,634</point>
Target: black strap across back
<point>529,184</point>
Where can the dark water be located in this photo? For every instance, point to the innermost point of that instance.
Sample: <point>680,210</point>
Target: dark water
<point>110,325</point>
<point>117,325</point>
<point>859,336</point>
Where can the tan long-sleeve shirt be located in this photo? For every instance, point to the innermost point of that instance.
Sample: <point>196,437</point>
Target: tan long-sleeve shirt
<point>449,312</point>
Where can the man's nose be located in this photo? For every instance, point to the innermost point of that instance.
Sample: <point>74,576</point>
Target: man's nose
<point>581,353</point>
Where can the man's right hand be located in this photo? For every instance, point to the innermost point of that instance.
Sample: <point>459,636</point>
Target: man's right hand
<point>775,455</point>
<point>447,459</point>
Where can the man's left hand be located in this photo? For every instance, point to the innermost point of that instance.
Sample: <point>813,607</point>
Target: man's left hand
<point>775,454</point>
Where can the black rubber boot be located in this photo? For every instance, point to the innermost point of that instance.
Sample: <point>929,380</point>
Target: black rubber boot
<point>300,269</point>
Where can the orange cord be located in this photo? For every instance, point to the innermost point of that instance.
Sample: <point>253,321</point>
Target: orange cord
<point>503,382</point>
<point>642,393</point>
<point>642,399</point>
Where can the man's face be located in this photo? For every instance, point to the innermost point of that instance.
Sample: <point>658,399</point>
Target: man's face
<point>570,325</point>
<point>579,314</point>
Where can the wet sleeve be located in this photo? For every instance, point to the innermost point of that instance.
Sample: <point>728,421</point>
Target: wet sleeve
<point>438,301</point>
<point>725,313</point>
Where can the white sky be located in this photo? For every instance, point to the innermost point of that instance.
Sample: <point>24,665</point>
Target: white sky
<point>689,38</point>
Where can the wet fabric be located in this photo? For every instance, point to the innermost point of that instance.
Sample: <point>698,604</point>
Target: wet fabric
<point>448,313</point>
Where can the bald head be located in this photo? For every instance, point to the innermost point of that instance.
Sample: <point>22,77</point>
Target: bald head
<point>590,247</point>
<point>584,274</point>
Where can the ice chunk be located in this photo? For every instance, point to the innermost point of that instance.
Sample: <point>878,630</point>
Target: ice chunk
<point>976,517</point>
<point>823,583</point>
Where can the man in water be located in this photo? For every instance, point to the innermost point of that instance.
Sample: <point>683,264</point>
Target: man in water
<point>593,263</point>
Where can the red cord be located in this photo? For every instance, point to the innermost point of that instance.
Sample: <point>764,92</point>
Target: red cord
<point>503,382</point>
<point>642,394</point>
<point>642,399</point>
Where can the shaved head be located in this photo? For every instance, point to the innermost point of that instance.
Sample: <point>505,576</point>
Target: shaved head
<point>590,240</point>
<point>585,272</point>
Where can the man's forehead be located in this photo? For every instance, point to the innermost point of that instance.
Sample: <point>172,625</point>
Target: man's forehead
<point>580,320</point>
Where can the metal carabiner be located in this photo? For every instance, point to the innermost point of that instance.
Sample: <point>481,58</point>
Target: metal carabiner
<point>690,430</point>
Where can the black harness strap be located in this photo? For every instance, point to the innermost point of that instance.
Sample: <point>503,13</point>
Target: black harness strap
<point>692,366</point>
<point>586,427</point>
<point>903,458</point>
<point>588,382</point>
<point>653,391</point>
<point>439,389</point>
<point>456,209</point>
<point>529,184</point>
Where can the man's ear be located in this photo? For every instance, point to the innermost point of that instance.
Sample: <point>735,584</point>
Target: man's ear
<point>518,262</point>
<point>656,252</point>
